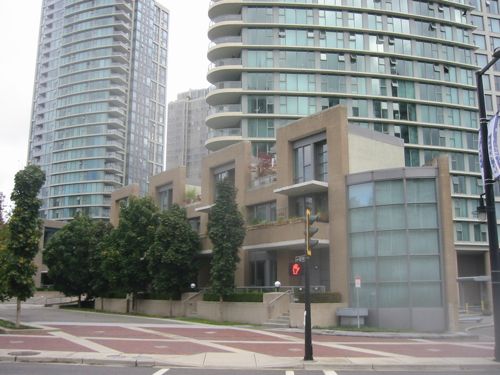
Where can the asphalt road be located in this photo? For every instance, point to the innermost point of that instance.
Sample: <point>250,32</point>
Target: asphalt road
<point>60,369</point>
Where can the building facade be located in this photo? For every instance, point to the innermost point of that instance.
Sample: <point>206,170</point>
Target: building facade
<point>388,224</point>
<point>187,133</point>
<point>98,116</point>
<point>404,68</point>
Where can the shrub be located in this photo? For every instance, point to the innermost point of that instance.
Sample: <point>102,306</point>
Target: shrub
<point>331,297</point>
<point>236,297</point>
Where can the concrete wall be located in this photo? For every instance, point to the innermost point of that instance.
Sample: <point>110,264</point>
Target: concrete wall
<point>322,314</point>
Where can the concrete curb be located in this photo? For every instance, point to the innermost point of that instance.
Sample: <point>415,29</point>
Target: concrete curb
<point>441,364</point>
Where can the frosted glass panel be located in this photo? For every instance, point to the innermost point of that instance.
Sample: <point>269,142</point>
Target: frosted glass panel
<point>361,195</point>
<point>391,243</point>
<point>425,268</point>
<point>393,295</point>
<point>423,241</point>
<point>392,269</point>
<point>391,217</point>
<point>389,192</point>
<point>367,295</point>
<point>364,268</point>
<point>426,295</point>
<point>362,244</point>
<point>422,216</point>
<point>361,219</point>
<point>419,191</point>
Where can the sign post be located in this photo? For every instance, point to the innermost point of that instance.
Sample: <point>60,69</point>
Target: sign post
<point>357,284</point>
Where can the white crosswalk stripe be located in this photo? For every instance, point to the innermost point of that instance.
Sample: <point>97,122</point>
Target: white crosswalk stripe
<point>329,372</point>
<point>161,372</point>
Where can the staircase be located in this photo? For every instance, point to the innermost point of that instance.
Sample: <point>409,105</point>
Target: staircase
<point>282,321</point>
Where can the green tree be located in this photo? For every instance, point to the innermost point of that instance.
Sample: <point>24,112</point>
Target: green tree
<point>4,235</point>
<point>24,235</point>
<point>226,231</point>
<point>129,243</point>
<point>2,199</point>
<point>171,256</point>
<point>70,254</point>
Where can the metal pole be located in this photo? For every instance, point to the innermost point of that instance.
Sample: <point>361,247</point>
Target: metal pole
<point>357,304</point>
<point>308,350</point>
<point>490,209</point>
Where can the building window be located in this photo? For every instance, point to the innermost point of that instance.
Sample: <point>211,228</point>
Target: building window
<point>311,160</point>
<point>165,197</point>
<point>262,213</point>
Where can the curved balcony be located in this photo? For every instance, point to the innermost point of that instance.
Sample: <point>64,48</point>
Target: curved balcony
<point>225,73</point>
<point>226,27</point>
<point>224,116</point>
<point>218,139</point>
<point>224,48</point>
<point>227,92</point>
<point>221,8</point>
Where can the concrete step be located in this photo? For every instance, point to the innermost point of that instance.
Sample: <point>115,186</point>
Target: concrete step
<point>282,321</point>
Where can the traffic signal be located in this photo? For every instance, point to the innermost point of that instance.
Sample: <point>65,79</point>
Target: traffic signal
<point>295,269</point>
<point>310,231</point>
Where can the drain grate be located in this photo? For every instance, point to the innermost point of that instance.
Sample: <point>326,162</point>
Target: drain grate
<point>23,353</point>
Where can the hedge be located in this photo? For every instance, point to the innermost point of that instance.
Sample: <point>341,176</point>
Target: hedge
<point>332,297</point>
<point>236,297</point>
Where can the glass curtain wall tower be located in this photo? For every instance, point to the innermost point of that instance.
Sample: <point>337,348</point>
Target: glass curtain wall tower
<point>402,67</point>
<point>98,117</point>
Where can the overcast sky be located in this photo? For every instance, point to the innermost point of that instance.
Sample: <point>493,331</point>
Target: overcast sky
<point>19,26</point>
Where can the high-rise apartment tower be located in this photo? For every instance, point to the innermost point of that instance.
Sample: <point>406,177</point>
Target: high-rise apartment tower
<point>402,67</point>
<point>98,117</point>
<point>187,133</point>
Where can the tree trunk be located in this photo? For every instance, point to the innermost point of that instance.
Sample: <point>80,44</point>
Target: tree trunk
<point>18,313</point>
<point>79,301</point>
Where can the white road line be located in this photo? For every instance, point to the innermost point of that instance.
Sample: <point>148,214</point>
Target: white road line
<point>161,372</point>
<point>331,372</point>
<point>289,372</point>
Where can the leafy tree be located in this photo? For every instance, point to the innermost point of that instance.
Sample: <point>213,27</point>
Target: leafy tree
<point>172,253</point>
<point>2,199</point>
<point>70,253</point>
<point>226,231</point>
<point>129,243</point>
<point>24,235</point>
<point>4,236</point>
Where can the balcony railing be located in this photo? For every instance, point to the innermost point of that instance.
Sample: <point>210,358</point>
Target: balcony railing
<point>225,108</point>
<point>231,132</point>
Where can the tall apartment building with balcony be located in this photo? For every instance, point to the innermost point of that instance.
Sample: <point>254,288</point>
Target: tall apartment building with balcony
<point>187,133</point>
<point>98,116</point>
<point>402,67</point>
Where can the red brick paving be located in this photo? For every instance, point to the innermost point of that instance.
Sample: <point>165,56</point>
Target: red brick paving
<point>346,339</point>
<point>18,342</point>
<point>296,350</point>
<point>216,334</point>
<point>433,350</point>
<point>105,331</point>
<point>156,347</point>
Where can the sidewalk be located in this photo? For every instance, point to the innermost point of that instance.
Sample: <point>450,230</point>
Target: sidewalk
<point>141,341</point>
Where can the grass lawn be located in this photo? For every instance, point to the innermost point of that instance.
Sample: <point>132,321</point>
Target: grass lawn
<point>9,325</point>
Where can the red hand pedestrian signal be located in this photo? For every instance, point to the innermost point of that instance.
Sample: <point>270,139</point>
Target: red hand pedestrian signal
<point>296,269</point>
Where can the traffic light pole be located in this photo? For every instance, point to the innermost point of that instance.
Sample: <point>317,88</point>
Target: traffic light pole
<point>308,350</point>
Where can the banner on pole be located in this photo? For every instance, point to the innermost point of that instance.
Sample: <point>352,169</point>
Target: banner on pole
<point>493,148</point>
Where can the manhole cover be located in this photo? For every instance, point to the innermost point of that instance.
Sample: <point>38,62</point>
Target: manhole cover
<point>161,346</point>
<point>16,342</point>
<point>24,353</point>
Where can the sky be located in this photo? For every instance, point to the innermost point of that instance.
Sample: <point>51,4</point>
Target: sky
<point>19,26</point>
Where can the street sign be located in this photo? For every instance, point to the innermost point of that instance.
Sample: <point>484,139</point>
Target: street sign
<point>357,282</point>
<point>300,258</point>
